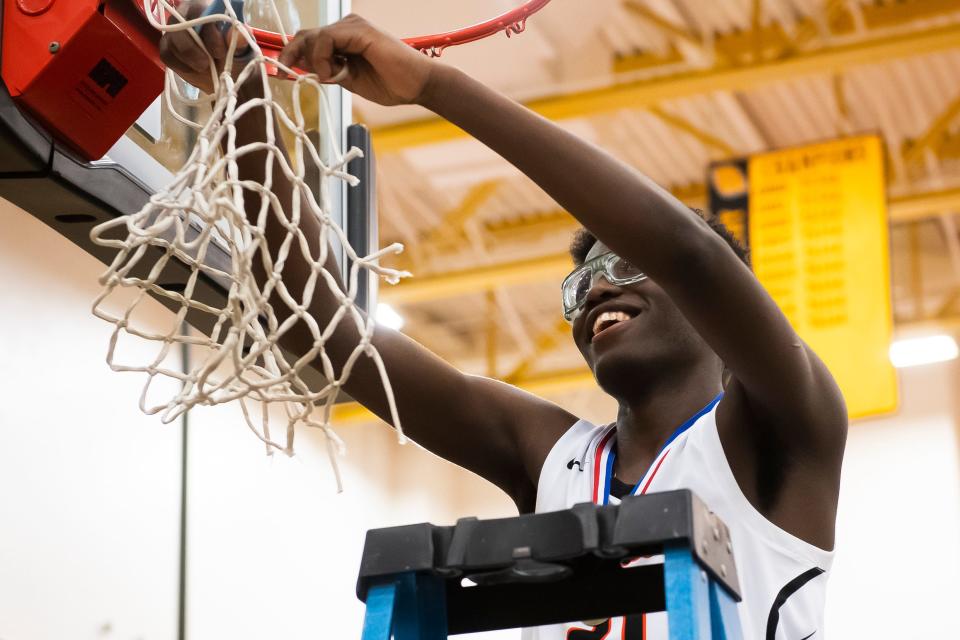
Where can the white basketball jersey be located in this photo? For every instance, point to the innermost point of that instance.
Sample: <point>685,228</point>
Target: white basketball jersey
<point>782,578</point>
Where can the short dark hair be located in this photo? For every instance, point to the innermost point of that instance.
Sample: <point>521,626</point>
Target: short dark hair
<point>583,240</point>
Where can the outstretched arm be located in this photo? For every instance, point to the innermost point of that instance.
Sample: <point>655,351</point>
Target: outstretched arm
<point>783,380</point>
<point>779,384</point>
<point>493,429</point>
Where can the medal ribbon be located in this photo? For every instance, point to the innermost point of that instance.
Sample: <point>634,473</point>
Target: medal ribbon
<point>607,453</point>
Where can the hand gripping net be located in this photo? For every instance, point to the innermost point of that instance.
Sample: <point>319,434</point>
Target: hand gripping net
<point>200,212</point>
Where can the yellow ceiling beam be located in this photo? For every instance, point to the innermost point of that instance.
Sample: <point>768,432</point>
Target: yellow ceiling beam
<point>477,279</point>
<point>933,133</point>
<point>545,343</point>
<point>646,93</point>
<point>840,95</point>
<point>451,225</point>
<point>902,209</point>
<point>882,15</point>
<point>643,11</point>
<point>523,229</point>
<point>756,15</point>
<point>686,126</point>
<point>948,147</point>
<point>567,380</point>
<point>536,225</point>
<point>835,21</point>
<point>836,17</point>
<point>923,205</point>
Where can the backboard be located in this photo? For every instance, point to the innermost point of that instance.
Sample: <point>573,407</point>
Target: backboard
<point>157,143</point>
<point>41,173</point>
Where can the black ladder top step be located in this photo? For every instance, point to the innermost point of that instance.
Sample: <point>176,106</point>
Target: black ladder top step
<point>555,546</point>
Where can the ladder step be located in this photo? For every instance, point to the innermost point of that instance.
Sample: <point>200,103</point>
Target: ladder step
<point>423,582</point>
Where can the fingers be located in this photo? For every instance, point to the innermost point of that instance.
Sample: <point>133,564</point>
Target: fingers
<point>322,50</point>
<point>183,51</point>
<point>186,52</point>
<point>314,52</point>
<point>321,54</point>
<point>179,50</point>
<point>341,75</point>
<point>293,54</point>
<point>213,40</point>
<point>242,46</point>
<point>180,55</point>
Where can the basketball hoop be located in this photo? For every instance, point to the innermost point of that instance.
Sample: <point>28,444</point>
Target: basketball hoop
<point>200,212</point>
<point>240,359</point>
<point>511,23</point>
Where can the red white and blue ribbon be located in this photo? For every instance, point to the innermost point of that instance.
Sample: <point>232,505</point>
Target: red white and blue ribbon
<point>606,455</point>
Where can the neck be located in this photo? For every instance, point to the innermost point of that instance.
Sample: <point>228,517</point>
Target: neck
<point>645,422</point>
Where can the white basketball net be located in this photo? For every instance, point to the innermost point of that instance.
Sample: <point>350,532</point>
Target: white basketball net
<point>201,211</point>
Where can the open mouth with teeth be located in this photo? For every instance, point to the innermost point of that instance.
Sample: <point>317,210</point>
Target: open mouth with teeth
<point>607,320</point>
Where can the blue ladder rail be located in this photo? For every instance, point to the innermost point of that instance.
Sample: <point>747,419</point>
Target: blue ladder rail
<point>551,568</point>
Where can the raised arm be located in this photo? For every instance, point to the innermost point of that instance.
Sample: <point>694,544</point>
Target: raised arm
<point>470,420</point>
<point>779,384</point>
<point>783,381</point>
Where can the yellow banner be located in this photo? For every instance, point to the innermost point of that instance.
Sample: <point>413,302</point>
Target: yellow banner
<point>816,223</point>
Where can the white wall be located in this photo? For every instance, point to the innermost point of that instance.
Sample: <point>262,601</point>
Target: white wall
<point>897,571</point>
<point>89,494</point>
<point>274,551</point>
<point>89,487</point>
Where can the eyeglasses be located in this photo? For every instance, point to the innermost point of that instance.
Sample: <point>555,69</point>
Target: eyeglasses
<point>577,285</point>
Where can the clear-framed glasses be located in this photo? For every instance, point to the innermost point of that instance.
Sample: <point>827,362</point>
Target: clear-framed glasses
<point>577,285</point>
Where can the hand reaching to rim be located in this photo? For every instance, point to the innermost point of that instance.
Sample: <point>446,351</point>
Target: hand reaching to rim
<point>379,67</point>
<point>179,49</point>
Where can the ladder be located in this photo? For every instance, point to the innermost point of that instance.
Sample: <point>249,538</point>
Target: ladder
<point>424,582</point>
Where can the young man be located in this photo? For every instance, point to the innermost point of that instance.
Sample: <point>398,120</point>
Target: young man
<point>662,308</point>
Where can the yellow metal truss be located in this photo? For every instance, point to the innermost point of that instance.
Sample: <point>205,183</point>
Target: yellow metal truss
<point>451,225</point>
<point>723,77</point>
<point>548,384</point>
<point>902,209</point>
<point>544,343</point>
<point>477,279</point>
<point>639,8</point>
<point>934,133</point>
<point>686,126</point>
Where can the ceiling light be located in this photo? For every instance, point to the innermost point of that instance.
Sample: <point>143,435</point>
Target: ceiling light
<point>388,317</point>
<point>911,352</point>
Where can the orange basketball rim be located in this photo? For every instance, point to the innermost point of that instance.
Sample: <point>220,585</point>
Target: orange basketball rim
<point>512,22</point>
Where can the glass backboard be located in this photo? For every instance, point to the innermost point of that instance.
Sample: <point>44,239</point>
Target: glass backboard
<point>158,143</point>
<point>42,174</point>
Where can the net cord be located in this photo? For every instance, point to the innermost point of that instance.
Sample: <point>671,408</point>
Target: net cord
<point>201,212</point>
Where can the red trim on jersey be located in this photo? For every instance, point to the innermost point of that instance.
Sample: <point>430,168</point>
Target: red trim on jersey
<point>598,465</point>
<point>597,459</point>
<point>652,475</point>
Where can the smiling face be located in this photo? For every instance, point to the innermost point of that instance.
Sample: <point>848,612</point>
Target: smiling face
<point>633,334</point>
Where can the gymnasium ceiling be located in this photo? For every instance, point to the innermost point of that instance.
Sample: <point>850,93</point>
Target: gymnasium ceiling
<point>668,86</point>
